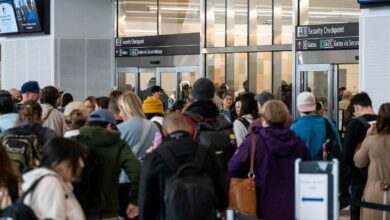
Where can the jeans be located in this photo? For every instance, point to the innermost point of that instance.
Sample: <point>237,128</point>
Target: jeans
<point>356,193</point>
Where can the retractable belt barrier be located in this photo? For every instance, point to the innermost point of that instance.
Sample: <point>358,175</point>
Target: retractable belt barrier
<point>368,205</point>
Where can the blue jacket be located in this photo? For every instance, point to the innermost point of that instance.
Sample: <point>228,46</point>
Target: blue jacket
<point>311,129</point>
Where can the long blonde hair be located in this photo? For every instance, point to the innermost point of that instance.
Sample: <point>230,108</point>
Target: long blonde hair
<point>131,105</point>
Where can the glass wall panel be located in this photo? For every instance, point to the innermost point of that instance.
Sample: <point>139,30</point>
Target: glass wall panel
<point>137,18</point>
<point>260,22</point>
<point>263,72</point>
<point>215,68</point>
<point>237,23</point>
<point>215,23</point>
<point>329,11</point>
<point>282,76</point>
<point>236,72</point>
<point>283,27</point>
<point>179,16</point>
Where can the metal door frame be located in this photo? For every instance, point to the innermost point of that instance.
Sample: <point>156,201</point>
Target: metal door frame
<point>332,70</point>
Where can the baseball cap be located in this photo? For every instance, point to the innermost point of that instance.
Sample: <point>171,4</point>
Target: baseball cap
<point>306,102</point>
<point>103,116</point>
<point>30,86</point>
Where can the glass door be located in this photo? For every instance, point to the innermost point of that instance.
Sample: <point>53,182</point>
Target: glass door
<point>321,80</point>
<point>127,79</point>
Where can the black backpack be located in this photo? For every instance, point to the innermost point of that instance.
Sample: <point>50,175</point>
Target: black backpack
<point>217,134</point>
<point>333,149</point>
<point>87,189</point>
<point>189,193</point>
<point>20,211</point>
<point>22,147</point>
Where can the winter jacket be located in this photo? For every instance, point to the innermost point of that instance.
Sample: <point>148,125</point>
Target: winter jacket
<point>52,198</point>
<point>54,119</point>
<point>312,130</point>
<point>113,155</point>
<point>155,171</point>
<point>354,135</point>
<point>207,109</point>
<point>374,153</point>
<point>259,123</point>
<point>276,150</point>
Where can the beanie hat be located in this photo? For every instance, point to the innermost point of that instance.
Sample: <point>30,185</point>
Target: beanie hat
<point>103,116</point>
<point>30,86</point>
<point>306,102</point>
<point>203,89</point>
<point>76,105</point>
<point>264,97</point>
<point>152,105</point>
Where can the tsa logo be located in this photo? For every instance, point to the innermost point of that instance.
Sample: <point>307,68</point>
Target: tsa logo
<point>302,32</point>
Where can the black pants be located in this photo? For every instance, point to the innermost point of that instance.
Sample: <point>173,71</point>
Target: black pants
<point>124,199</point>
<point>356,193</point>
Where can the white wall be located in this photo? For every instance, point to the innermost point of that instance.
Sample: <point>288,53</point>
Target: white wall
<point>78,55</point>
<point>374,53</point>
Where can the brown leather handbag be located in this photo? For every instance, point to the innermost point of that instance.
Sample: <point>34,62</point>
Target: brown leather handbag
<point>242,192</point>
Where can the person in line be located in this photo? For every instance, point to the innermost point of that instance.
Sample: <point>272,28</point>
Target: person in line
<point>66,99</point>
<point>374,153</point>
<point>112,154</point>
<point>248,113</point>
<point>16,95</point>
<point>237,105</point>
<point>311,127</point>
<point>113,105</point>
<point>136,130</point>
<point>360,107</point>
<point>276,150</point>
<point>227,106</point>
<point>261,99</point>
<point>30,92</point>
<point>29,122</point>
<point>53,196</point>
<point>52,118</point>
<point>154,110</point>
<point>76,116</point>
<point>9,180</point>
<point>90,104</point>
<point>155,170</point>
<point>102,102</point>
<point>7,116</point>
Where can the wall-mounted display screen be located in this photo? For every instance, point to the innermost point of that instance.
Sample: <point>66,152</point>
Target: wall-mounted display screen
<point>27,16</point>
<point>373,1</point>
<point>7,17</point>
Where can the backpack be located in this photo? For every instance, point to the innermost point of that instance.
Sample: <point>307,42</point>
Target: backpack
<point>217,134</point>
<point>88,190</point>
<point>20,211</point>
<point>333,149</point>
<point>23,148</point>
<point>244,121</point>
<point>189,193</point>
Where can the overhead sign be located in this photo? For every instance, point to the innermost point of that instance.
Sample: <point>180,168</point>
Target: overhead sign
<point>161,45</point>
<point>327,37</point>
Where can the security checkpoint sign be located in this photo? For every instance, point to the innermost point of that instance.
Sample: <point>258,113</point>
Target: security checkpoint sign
<point>327,37</point>
<point>313,196</point>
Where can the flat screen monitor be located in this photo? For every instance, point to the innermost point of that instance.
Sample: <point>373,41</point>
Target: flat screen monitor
<point>7,17</point>
<point>27,16</point>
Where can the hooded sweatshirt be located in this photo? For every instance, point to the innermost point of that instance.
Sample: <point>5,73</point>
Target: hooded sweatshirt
<point>54,119</point>
<point>276,150</point>
<point>113,155</point>
<point>52,198</point>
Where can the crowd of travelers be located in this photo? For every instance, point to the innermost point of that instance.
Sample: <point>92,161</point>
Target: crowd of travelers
<point>131,156</point>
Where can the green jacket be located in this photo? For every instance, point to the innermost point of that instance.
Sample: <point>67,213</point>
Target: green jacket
<point>113,155</point>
